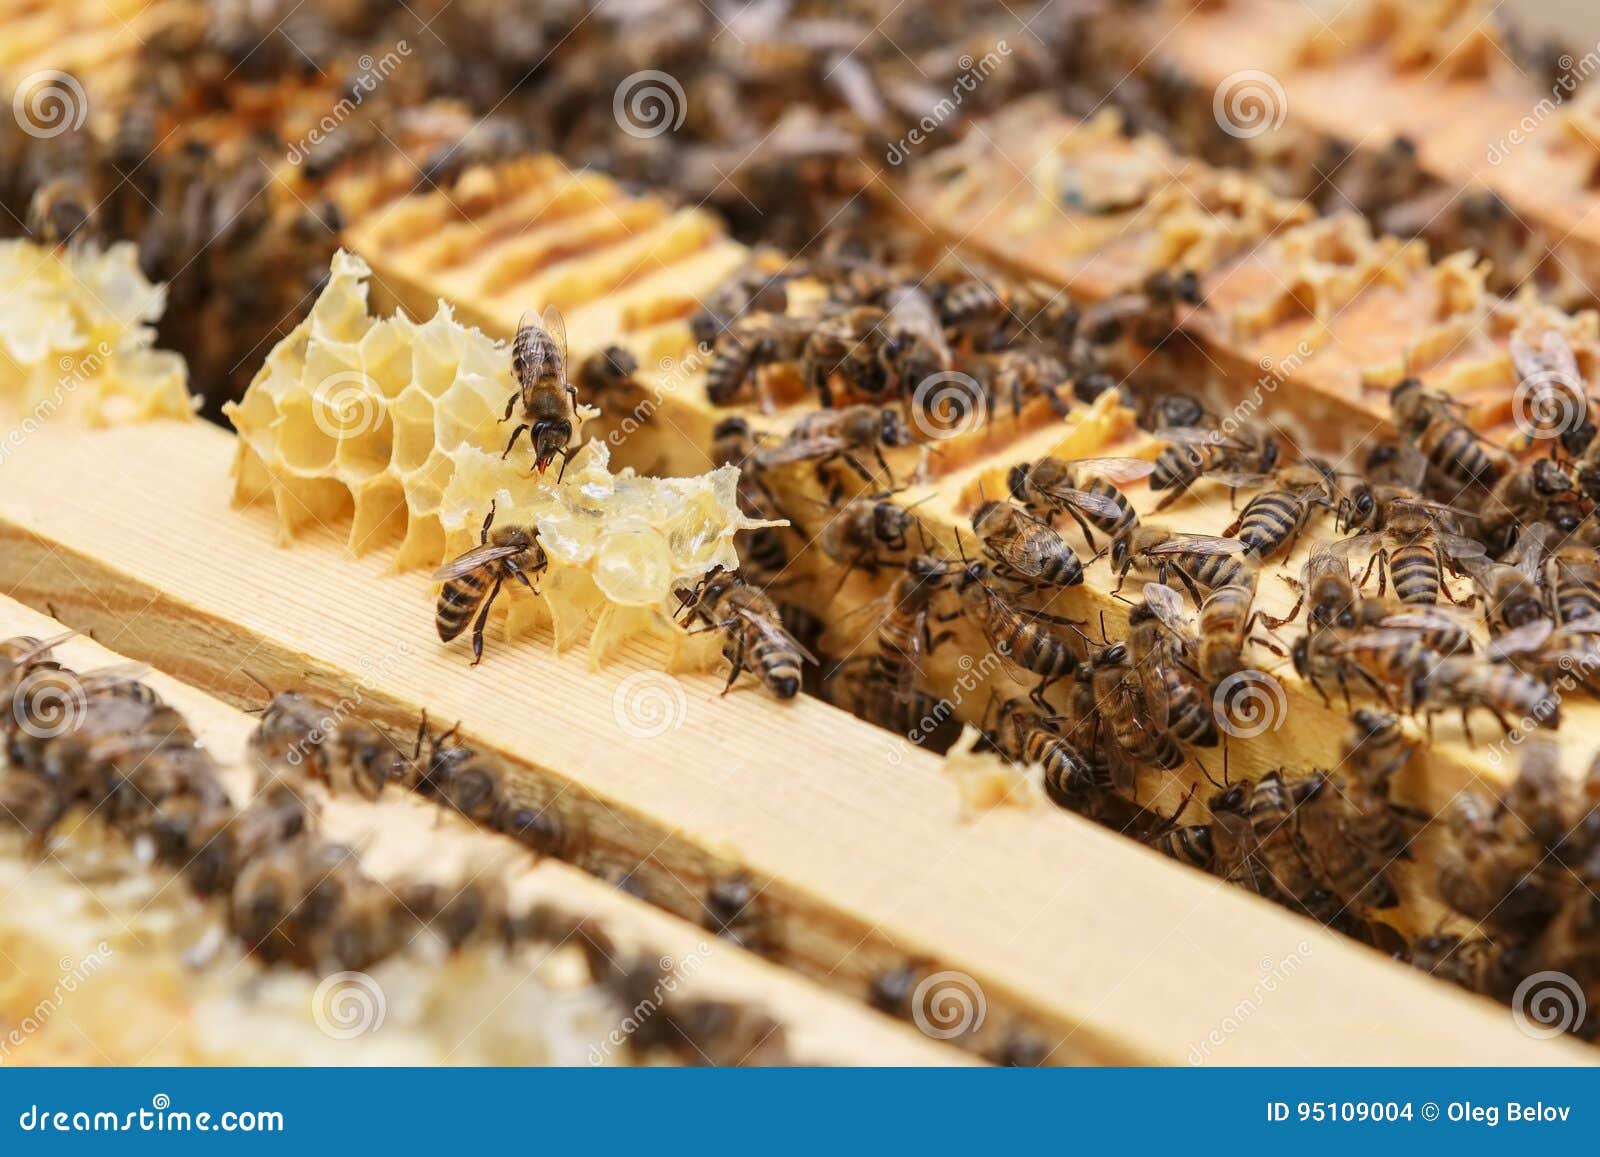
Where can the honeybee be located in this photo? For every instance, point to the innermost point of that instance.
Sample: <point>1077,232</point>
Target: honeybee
<point>1025,548</point>
<point>868,532</point>
<point>1387,664</point>
<point>1198,560</point>
<point>989,316</point>
<point>1086,489</point>
<point>1237,459</point>
<point>1010,378</point>
<point>1414,551</point>
<point>903,632</point>
<point>847,347</point>
<point>1150,312</point>
<point>741,350</point>
<point>606,371</point>
<point>1570,651</point>
<point>1490,869</point>
<point>1478,964</point>
<point>1276,517</point>
<point>1572,577</point>
<point>30,803</point>
<point>1432,423</point>
<point>473,580</point>
<point>362,758</point>
<point>1024,737</point>
<point>1020,635</point>
<point>1556,400</point>
<point>549,402</point>
<point>748,289</point>
<point>732,913</point>
<point>1510,589</point>
<point>914,346</point>
<point>1191,844</point>
<point>826,435</point>
<point>753,633</point>
<point>1327,586</point>
<point>1538,492</point>
<point>1132,699</point>
<point>1227,616</point>
<point>1462,683</point>
<point>60,212</point>
<point>1258,818</point>
<point>873,693</point>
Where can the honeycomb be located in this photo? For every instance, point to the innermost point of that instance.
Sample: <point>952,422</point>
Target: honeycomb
<point>78,336</point>
<point>397,426</point>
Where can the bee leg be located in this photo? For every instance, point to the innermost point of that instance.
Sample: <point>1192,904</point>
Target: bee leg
<point>511,404</point>
<point>483,535</point>
<point>1083,524</point>
<point>515,434</point>
<point>483,620</point>
<point>566,456</point>
<point>738,664</point>
<point>1037,695</point>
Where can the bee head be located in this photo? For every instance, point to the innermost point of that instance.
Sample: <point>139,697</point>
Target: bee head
<point>1229,800</point>
<point>550,441</point>
<point>1300,653</point>
<point>735,427</point>
<point>1114,655</point>
<point>892,430</point>
<point>1017,481</point>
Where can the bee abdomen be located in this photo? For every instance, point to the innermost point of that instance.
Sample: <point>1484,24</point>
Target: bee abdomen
<point>1125,516</point>
<point>1415,573</point>
<point>779,664</point>
<point>1190,844</point>
<point>458,600</point>
<point>1189,714</point>
<point>1175,466</point>
<point>1268,522</point>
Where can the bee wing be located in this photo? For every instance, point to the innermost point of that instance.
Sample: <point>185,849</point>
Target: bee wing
<point>1520,640</point>
<point>1197,436</point>
<point>1420,620</point>
<point>556,327</point>
<point>1085,501</point>
<point>773,627</point>
<point>1461,548</point>
<point>1196,544</point>
<point>1167,605</point>
<point>1345,547</point>
<point>1371,641</point>
<point>1551,361</point>
<point>478,556</point>
<point>1239,478</point>
<point>1531,547</point>
<point>1116,470</point>
<point>799,450</point>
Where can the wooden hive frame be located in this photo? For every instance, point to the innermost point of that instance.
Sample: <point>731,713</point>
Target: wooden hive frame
<point>400,832</point>
<point>1441,77</point>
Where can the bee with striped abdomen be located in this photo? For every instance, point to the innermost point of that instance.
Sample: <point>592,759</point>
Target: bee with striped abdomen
<point>1085,489</point>
<point>1274,518</point>
<point>549,402</point>
<point>1023,637</point>
<point>1432,423</point>
<point>754,637</point>
<point>473,580</point>
<point>1198,560</point>
<point>1191,453</point>
<point>1025,549</point>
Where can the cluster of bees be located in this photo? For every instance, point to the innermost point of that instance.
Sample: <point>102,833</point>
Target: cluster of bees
<point>1454,577</point>
<point>105,742</point>
<point>1522,869</point>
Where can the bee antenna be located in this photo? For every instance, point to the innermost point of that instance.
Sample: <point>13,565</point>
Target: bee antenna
<point>1104,638</point>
